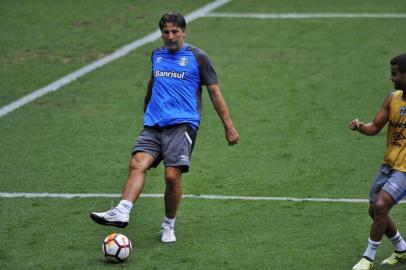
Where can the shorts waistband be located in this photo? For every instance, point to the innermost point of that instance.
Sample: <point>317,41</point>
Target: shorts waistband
<point>159,128</point>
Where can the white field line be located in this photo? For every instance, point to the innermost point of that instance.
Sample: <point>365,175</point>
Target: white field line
<point>304,15</point>
<point>103,61</point>
<point>190,196</point>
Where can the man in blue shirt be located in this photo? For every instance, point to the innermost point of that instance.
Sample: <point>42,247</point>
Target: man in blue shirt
<point>172,117</point>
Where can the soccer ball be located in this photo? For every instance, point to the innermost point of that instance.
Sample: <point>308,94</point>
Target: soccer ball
<point>117,247</point>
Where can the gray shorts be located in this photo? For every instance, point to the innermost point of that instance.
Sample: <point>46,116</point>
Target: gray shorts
<point>172,144</point>
<point>390,180</point>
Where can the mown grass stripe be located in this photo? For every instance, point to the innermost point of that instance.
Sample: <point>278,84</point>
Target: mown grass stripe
<point>56,85</point>
<point>190,196</point>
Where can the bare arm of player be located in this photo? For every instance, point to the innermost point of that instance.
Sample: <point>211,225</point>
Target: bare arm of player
<point>380,120</point>
<point>221,108</point>
<point>149,93</point>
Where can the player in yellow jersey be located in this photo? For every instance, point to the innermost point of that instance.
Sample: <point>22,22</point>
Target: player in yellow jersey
<point>390,184</point>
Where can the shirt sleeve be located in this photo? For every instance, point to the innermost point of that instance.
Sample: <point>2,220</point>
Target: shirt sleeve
<point>208,74</point>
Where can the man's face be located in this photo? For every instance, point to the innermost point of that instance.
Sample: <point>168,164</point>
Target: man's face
<point>398,78</point>
<point>173,37</point>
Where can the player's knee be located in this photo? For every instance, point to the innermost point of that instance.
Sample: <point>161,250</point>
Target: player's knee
<point>380,208</point>
<point>172,179</point>
<point>136,164</point>
<point>173,174</point>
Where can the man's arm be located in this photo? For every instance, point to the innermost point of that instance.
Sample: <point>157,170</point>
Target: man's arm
<point>221,108</point>
<point>380,120</point>
<point>149,93</point>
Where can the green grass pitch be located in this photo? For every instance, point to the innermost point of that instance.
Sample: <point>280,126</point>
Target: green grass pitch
<point>291,87</point>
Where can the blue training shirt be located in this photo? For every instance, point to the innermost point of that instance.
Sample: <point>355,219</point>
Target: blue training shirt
<point>177,86</point>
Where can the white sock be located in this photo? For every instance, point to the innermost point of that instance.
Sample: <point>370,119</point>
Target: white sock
<point>125,206</point>
<point>371,249</point>
<point>169,222</point>
<point>399,242</point>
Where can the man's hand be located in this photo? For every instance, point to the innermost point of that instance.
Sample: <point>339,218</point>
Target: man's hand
<point>355,124</point>
<point>232,136</point>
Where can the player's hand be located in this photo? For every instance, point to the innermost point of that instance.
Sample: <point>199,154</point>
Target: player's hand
<point>232,136</point>
<point>355,124</point>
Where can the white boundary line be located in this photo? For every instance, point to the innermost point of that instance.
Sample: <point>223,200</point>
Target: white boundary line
<point>103,61</point>
<point>303,15</point>
<point>190,196</point>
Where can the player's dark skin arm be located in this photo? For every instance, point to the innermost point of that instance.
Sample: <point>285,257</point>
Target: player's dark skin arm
<point>149,93</point>
<point>380,120</point>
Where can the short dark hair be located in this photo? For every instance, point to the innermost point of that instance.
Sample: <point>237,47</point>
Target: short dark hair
<point>173,17</point>
<point>400,61</point>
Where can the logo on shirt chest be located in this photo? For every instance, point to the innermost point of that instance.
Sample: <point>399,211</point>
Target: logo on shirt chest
<point>397,136</point>
<point>169,74</point>
<point>183,61</point>
<point>402,111</point>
